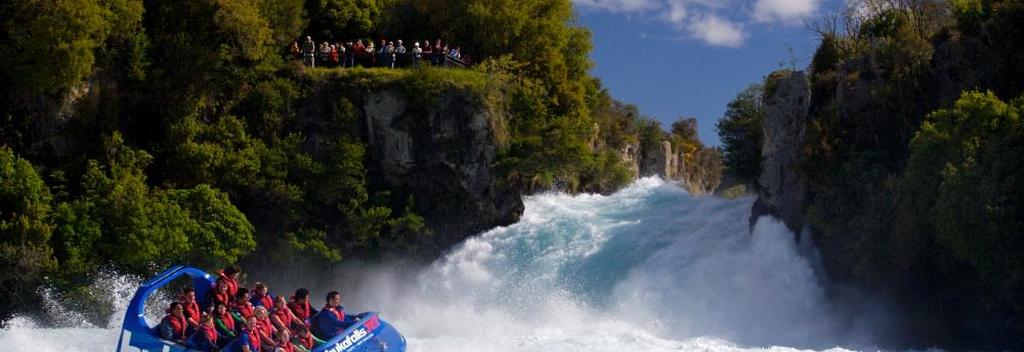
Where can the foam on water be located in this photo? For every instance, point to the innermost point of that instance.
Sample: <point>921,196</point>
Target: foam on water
<point>649,268</point>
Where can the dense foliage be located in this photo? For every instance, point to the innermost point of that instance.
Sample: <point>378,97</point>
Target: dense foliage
<point>136,134</point>
<point>885,137</point>
<point>740,132</point>
<point>960,200</point>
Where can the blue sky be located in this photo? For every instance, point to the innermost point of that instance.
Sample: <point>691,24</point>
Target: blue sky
<point>689,58</point>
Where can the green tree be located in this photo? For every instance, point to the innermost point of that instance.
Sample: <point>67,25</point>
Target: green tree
<point>286,19</point>
<point>343,19</point>
<point>740,133</point>
<point>122,221</point>
<point>25,228</point>
<point>962,190</point>
<point>48,46</point>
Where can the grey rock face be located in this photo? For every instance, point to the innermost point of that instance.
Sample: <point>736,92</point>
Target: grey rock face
<point>783,191</point>
<point>631,158</point>
<point>657,161</point>
<point>442,155</point>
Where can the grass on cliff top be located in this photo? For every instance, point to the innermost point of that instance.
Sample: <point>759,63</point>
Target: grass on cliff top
<point>423,86</point>
<point>424,79</point>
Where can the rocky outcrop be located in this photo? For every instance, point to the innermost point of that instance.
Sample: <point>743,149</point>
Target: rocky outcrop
<point>630,155</point>
<point>657,161</point>
<point>783,192</point>
<point>443,156</point>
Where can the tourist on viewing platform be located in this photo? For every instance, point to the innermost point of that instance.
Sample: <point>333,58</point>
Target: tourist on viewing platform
<point>358,50</point>
<point>325,53</point>
<point>455,53</point>
<point>400,52</point>
<point>230,275</point>
<point>382,54</point>
<point>390,54</point>
<point>261,296</point>
<point>242,308</point>
<point>371,54</point>
<point>439,50</point>
<point>295,51</point>
<point>284,342</point>
<point>336,52</point>
<point>264,327</point>
<point>331,320</point>
<point>428,51</point>
<point>333,56</point>
<point>309,52</point>
<point>299,304</point>
<point>225,323</point>
<point>283,317</point>
<point>248,338</point>
<point>192,311</point>
<point>303,340</point>
<point>417,52</point>
<point>347,62</point>
<point>205,337</point>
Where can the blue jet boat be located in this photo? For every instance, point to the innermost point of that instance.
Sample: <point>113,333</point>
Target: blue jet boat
<point>369,334</point>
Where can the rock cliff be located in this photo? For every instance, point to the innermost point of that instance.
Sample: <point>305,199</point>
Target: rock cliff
<point>442,156</point>
<point>783,192</point>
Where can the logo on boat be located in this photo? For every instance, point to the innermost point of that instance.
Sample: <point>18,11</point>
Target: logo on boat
<point>349,340</point>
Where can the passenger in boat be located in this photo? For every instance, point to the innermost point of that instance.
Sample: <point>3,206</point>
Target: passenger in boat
<point>303,340</point>
<point>230,275</point>
<point>192,311</point>
<point>300,305</point>
<point>284,342</point>
<point>242,309</point>
<point>174,325</point>
<point>225,323</point>
<point>205,337</point>
<point>331,320</point>
<point>219,294</point>
<point>261,296</point>
<point>283,317</point>
<point>248,338</point>
<point>265,328</point>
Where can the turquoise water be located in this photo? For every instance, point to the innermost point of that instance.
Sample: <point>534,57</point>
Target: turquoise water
<point>650,268</point>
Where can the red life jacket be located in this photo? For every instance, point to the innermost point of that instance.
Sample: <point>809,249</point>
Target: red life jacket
<point>227,320</point>
<point>254,337</point>
<point>232,283</point>
<point>306,341</point>
<point>266,328</point>
<point>211,333</point>
<point>266,301</point>
<point>286,346</point>
<point>337,312</point>
<point>192,312</point>
<point>301,310</point>
<point>220,297</point>
<point>245,309</point>
<point>179,325</point>
<point>285,315</point>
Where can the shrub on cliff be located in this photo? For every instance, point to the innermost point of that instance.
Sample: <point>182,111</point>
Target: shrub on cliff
<point>122,221</point>
<point>46,46</point>
<point>997,25</point>
<point>963,194</point>
<point>740,132</point>
<point>25,227</point>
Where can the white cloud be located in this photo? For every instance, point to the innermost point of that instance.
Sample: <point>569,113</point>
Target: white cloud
<point>676,12</point>
<point>717,31</point>
<point>716,22</point>
<point>620,5</point>
<point>786,11</point>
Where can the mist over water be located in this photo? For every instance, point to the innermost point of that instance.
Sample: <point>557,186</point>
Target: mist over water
<point>649,268</point>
